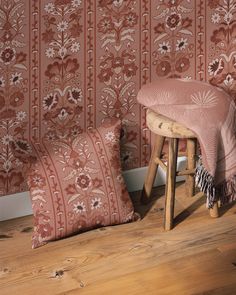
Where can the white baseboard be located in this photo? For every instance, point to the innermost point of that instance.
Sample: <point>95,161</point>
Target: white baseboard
<point>13,206</point>
<point>18,205</point>
<point>134,178</point>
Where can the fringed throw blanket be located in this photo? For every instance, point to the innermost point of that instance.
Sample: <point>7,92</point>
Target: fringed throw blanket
<point>211,114</point>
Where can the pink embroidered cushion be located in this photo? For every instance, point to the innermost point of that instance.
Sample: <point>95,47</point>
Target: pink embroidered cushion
<point>76,185</point>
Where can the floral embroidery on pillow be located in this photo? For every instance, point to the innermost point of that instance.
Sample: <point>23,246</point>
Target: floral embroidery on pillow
<point>76,184</point>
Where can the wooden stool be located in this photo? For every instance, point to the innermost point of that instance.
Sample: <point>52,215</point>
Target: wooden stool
<point>164,128</point>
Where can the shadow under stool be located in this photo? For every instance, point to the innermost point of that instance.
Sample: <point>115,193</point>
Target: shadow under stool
<point>165,128</point>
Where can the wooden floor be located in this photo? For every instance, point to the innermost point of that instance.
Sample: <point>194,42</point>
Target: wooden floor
<point>197,257</point>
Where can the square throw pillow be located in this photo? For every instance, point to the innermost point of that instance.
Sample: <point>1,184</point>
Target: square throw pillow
<point>76,184</point>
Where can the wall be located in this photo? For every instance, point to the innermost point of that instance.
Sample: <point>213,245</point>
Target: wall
<point>65,65</point>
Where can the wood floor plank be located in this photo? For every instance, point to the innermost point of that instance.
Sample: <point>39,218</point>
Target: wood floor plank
<point>175,277</point>
<point>226,290</point>
<point>136,250</point>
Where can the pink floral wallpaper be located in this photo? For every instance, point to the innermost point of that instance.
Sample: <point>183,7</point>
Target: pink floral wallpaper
<point>66,65</point>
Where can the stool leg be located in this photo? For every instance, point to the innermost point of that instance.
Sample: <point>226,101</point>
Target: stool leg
<point>170,184</point>
<point>191,164</point>
<point>152,169</point>
<point>214,211</point>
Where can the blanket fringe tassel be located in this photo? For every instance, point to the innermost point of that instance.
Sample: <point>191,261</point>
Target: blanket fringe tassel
<point>224,192</point>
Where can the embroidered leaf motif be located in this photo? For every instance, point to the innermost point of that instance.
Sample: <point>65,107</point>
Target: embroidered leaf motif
<point>111,35</point>
<point>71,175</point>
<point>126,87</point>
<point>108,41</point>
<point>91,170</point>
<point>38,198</point>
<point>186,32</point>
<point>128,31</point>
<point>110,91</point>
<point>14,9</point>
<point>60,145</point>
<point>72,198</point>
<point>20,66</point>
<point>98,191</point>
<point>127,37</point>
<point>160,37</point>
<point>184,9</point>
<point>161,15</point>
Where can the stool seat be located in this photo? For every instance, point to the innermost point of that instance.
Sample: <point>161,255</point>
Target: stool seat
<point>166,127</point>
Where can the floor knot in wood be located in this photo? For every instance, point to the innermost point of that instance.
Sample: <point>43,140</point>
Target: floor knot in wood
<point>58,274</point>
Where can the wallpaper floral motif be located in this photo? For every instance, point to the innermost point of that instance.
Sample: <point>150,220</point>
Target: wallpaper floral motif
<point>66,65</point>
<point>14,93</point>
<point>62,94</point>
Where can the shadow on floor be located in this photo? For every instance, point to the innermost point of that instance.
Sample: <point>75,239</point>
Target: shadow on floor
<point>158,192</point>
<point>190,210</point>
<point>143,209</point>
<point>225,208</point>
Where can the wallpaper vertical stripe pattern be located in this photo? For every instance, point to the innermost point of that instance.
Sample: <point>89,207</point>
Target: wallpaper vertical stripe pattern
<point>66,65</point>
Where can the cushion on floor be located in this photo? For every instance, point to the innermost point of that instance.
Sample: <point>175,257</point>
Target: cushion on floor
<point>76,184</point>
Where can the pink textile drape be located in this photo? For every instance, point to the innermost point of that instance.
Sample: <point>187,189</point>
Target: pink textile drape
<point>211,114</point>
